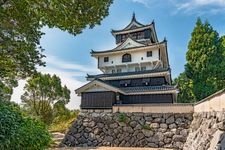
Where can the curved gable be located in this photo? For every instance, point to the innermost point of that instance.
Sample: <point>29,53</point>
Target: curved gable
<point>129,43</point>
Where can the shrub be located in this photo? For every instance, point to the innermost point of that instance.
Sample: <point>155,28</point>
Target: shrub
<point>122,118</point>
<point>18,131</point>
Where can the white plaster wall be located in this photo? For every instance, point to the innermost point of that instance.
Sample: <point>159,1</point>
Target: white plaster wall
<point>216,103</point>
<point>154,108</point>
<point>130,68</point>
<point>96,89</point>
<point>135,60</point>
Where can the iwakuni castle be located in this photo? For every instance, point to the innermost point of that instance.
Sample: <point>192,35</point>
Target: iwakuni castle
<point>136,71</point>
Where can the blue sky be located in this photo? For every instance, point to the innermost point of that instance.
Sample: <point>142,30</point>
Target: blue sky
<point>69,57</point>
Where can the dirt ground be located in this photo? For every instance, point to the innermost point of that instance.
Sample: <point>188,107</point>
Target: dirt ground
<point>111,148</point>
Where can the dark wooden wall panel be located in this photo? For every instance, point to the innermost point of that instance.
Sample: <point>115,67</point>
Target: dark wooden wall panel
<point>154,81</point>
<point>97,99</point>
<point>142,99</point>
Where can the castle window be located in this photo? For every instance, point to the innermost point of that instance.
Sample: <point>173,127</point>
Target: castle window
<point>126,58</point>
<point>125,82</point>
<point>147,34</point>
<point>143,68</point>
<point>149,53</point>
<point>137,69</point>
<point>119,70</point>
<point>146,81</point>
<point>106,59</point>
<point>118,38</point>
<point>124,37</point>
<point>140,35</point>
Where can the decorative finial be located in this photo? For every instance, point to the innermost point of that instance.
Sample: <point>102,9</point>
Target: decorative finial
<point>165,39</point>
<point>153,21</point>
<point>133,17</point>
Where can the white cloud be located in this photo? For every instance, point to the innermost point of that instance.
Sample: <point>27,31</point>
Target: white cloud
<point>68,65</point>
<point>69,74</point>
<point>144,2</point>
<point>198,7</point>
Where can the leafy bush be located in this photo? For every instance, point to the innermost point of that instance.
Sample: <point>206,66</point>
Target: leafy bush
<point>122,118</point>
<point>18,131</point>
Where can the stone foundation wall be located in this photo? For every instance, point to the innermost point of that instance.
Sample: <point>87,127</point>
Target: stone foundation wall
<point>206,132</point>
<point>129,129</point>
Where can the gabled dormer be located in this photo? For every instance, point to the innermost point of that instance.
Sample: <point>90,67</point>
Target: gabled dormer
<point>129,43</point>
<point>136,31</point>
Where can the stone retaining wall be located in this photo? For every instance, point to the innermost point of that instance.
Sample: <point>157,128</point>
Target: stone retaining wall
<point>130,129</point>
<point>206,132</point>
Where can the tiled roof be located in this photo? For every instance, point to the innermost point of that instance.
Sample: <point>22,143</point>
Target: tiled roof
<point>115,49</point>
<point>128,27</point>
<point>147,88</point>
<point>131,90</point>
<point>127,73</point>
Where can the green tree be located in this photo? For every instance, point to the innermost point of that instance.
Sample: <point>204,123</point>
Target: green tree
<point>42,91</point>
<point>60,112</point>
<point>20,30</point>
<point>185,87</point>
<point>205,60</point>
<point>18,131</point>
<point>6,88</point>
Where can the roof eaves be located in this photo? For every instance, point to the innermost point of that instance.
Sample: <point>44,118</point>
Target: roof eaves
<point>114,32</point>
<point>127,73</point>
<point>115,50</point>
<point>102,83</point>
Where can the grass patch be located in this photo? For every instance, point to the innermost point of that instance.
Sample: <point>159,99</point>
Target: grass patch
<point>122,118</point>
<point>61,126</point>
<point>146,127</point>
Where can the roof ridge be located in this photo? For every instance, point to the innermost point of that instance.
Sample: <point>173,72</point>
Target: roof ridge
<point>128,27</point>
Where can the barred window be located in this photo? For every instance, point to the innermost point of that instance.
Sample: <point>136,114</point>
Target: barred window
<point>126,58</point>
<point>149,53</point>
<point>106,59</point>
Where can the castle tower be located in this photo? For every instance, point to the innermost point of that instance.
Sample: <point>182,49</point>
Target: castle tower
<point>136,71</point>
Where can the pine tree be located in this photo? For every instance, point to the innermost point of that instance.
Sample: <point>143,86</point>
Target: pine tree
<point>185,85</point>
<point>205,60</point>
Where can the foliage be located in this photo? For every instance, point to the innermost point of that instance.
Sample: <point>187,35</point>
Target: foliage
<point>6,88</point>
<point>146,127</point>
<point>20,30</point>
<point>42,91</point>
<point>204,73</point>
<point>62,123</point>
<point>60,112</point>
<point>185,86</point>
<point>122,118</point>
<point>204,60</point>
<point>17,131</point>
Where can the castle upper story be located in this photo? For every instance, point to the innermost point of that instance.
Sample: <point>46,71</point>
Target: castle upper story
<point>138,49</point>
<point>137,32</point>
